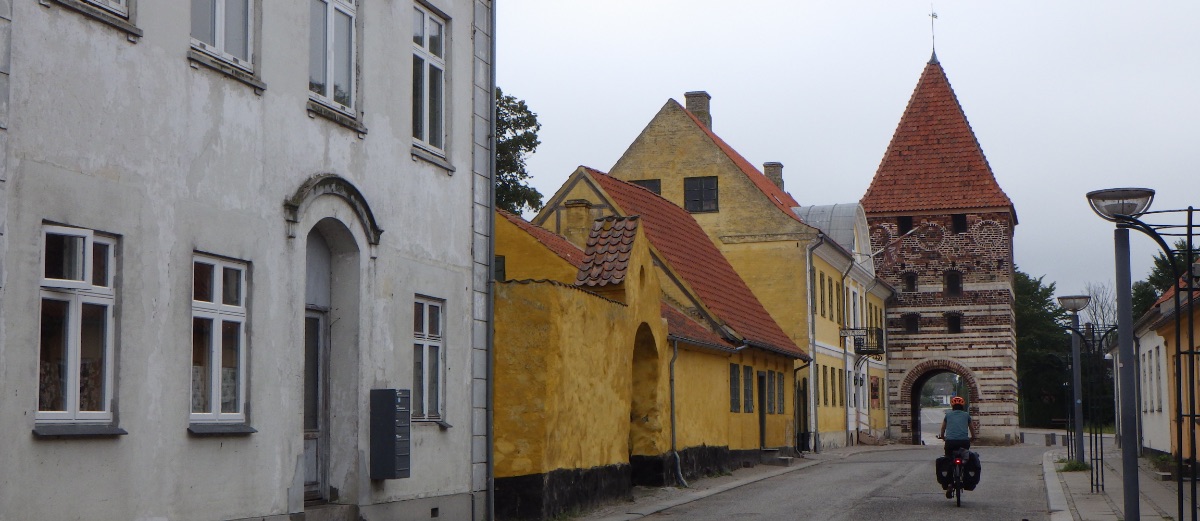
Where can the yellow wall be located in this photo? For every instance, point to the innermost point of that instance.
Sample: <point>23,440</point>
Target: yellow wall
<point>831,411</point>
<point>703,406</point>
<point>765,246</point>
<point>1167,332</point>
<point>527,258</point>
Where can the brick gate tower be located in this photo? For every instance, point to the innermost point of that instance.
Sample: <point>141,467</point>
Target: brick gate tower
<point>942,231</point>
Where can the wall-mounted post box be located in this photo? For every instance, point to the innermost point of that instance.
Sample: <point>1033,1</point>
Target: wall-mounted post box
<point>391,434</point>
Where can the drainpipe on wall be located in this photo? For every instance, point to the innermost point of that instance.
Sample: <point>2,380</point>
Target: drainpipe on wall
<point>490,508</point>
<point>846,355</point>
<point>674,452</point>
<point>815,431</point>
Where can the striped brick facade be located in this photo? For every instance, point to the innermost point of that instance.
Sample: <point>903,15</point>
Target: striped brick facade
<point>984,352</point>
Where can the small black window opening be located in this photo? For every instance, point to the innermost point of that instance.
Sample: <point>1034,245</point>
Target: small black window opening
<point>904,225</point>
<point>953,323</point>
<point>735,388</point>
<point>498,266</point>
<point>653,185</point>
<point>954,286</point>
<point>959,222</point>
<point>910,282</point>
<point>700,194</point>
<point>912,323</point>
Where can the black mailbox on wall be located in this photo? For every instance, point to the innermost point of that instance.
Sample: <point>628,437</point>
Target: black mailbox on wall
<point>391,415</point>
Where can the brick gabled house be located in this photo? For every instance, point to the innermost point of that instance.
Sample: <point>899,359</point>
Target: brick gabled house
<point>943,231</point>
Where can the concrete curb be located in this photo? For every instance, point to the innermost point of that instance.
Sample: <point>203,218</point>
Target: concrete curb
<point>1056,497</point>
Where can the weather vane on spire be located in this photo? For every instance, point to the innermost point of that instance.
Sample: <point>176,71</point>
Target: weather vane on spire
<point>932,32</point>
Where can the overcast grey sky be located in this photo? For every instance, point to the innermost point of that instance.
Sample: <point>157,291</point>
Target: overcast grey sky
<point>1064,96</point>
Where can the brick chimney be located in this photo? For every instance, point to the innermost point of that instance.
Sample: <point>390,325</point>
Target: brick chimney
<point>774,172</point>
<point>697,103</point>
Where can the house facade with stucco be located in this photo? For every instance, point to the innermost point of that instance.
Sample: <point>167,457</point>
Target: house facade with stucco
<point>245,253</point>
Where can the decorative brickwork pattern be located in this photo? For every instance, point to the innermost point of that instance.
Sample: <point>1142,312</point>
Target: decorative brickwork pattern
<point>935,179</point>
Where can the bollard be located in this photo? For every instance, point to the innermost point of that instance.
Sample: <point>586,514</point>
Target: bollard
<point>1022,437</point>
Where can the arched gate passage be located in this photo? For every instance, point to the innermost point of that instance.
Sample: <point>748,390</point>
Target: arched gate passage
<point>910,392</point>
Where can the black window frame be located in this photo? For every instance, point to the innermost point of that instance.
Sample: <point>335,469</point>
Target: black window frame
<point>912,323</point>
<point>653,185</point>
<point>735,388</point>
<point>904,224</point>
<point>910,282</point>
<point>748,389</point>
<point>698,195</point>
<point>954,322</point>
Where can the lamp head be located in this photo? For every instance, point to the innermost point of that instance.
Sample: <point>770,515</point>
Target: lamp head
<point>1110,203</point>
<point>1074,303</point>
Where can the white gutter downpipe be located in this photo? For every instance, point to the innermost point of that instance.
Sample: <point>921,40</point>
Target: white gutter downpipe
<point>814,432</point>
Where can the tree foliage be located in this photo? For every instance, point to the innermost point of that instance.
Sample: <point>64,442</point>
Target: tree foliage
<point>1043,351</point>
<point>516,137</point>
<point>1161,276</point>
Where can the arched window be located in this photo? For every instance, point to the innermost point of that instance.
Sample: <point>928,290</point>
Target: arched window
<point>954,286</point>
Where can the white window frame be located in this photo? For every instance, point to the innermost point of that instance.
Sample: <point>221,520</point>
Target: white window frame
<point>219,312</point>
<point>332,7</point>
<point>217,48</point>
<point>76,294</point>
<point>119,7</point>
<point>421,50</point>
<point>423,340</point>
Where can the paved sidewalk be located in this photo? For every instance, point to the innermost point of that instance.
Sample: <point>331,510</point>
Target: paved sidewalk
<point>1158,499</point>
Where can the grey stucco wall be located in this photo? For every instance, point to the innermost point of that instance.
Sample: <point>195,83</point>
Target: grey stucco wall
<point>128,137</point>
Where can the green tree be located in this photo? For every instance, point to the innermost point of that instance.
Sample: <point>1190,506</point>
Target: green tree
<point>516,137</point>
<point>1043,351</point>
<point>1161,276</point>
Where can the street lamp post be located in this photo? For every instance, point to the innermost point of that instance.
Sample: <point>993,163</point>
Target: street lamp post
<point>1119,205</point>
<point>1075,304</point>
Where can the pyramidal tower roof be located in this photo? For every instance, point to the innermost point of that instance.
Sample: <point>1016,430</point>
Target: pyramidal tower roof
<point>934,161</point>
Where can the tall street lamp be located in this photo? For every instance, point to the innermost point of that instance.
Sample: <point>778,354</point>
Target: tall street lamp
<point>1128,208</point>
<point>1120,205</point>
<point>1075,304</point>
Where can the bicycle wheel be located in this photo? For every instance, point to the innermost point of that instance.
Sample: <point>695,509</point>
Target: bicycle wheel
<point>958,495</point>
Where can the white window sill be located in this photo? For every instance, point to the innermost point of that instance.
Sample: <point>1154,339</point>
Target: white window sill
<point>77,430</point>
<point>101,15</point>
<point>424,154</point>
<point>227,68</point>
<point>316,108</point>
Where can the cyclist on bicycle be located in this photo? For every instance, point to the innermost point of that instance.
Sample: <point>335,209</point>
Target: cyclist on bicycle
<point>957,429</point>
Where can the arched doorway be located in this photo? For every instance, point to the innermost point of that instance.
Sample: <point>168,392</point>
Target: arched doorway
<point>331,298</point>
<point>916,381</point>
<point>645,423</point>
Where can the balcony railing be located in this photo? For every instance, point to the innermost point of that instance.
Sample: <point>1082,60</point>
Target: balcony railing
<point>867,340</point>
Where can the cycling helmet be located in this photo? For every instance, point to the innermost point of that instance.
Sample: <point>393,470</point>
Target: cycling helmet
<point>957,400</point>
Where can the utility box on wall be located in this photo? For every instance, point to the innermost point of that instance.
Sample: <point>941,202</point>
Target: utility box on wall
<point>391,416</point>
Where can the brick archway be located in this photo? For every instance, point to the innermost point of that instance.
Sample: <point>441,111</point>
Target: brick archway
<point>939,365</point>
<point>922,372</point>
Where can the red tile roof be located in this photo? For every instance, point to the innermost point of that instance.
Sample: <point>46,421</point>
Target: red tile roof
<point>608,248</point>
<point>776,195</point>
<point>689,251</point>
<point>1181,286</point>
<point>934,161</point>
<point>556,243</point>
<point>688,329</point>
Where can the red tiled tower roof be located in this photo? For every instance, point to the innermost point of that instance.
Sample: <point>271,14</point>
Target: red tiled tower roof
<point>609,247</point>
<point>778,197</point>
<point>677,236</point>
<point>934,161</point>
<point>554,242</point>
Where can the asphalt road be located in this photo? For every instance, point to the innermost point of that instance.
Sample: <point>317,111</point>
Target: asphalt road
<point>889,485</point>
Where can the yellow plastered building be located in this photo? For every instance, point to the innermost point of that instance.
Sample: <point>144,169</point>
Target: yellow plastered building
<point>755,225</point>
